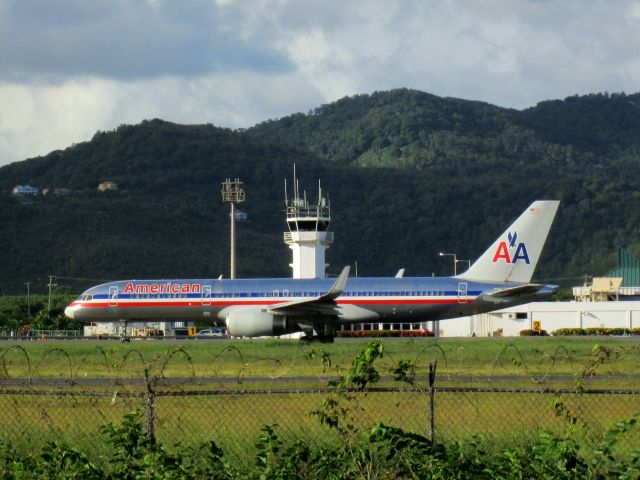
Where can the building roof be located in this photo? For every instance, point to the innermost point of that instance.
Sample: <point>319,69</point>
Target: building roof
<point>628,268</point>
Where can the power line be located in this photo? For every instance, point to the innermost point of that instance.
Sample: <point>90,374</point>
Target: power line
<point>85,279</point>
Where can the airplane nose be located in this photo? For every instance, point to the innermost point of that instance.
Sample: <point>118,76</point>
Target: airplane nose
<point>69,312</point>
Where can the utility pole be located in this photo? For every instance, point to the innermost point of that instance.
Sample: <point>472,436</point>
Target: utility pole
<point>468,263</point>
<point>28,284</point>
<point>51,285</point>
<point>232,193</point>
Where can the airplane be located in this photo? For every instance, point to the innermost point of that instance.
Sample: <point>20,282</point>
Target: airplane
<point>499,278</point>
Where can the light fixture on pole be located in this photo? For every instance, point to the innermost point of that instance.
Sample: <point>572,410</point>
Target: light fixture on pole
<point>455,261</point>
<point>232,193</point>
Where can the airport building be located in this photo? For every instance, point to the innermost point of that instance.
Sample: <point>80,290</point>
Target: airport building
<point>607,302</point>
<point>139,329</point>
<point>548,316</point>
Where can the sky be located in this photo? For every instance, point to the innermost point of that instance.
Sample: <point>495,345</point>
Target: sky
<point>70,68</point>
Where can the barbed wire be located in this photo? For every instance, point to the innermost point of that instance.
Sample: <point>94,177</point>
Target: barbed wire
<point>217,398</point>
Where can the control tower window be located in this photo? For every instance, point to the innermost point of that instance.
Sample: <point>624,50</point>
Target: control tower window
<point>309,225</point>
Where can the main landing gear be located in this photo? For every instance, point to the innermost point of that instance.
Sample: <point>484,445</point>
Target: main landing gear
<point>327,335</point>
<point>124,337</point>
<point>317,339</point>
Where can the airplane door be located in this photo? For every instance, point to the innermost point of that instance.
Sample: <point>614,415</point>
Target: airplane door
<point>462,293</point>
<point>206,295</point>
<point>113,296</point>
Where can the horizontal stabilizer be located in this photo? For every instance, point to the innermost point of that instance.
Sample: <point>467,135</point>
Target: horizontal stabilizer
<point>528,289</point>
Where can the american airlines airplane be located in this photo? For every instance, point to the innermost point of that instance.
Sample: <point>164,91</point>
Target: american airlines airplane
<point>500,278</point>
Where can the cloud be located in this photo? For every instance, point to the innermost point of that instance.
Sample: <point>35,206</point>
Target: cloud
<point>125,39</point>
<point>72,67</point>
<point>37,119</point>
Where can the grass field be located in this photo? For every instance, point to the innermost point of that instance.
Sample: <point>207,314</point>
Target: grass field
<point>537,360</point>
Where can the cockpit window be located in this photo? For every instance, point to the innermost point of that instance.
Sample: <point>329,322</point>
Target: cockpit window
<point>86,298</point>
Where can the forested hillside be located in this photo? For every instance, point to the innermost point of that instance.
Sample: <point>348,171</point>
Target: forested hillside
<point>407,128</point>
<point>408,174</point>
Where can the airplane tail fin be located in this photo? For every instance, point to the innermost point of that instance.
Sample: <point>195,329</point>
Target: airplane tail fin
<point>514,255</point>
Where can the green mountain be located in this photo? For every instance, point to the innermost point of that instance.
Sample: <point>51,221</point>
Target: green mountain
<point>407,128</point>
<point>409,174</point>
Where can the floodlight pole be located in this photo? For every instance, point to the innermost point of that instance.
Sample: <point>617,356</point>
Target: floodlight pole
<point>455,261</point>
<point>232,193</point>
<point>232,241</point>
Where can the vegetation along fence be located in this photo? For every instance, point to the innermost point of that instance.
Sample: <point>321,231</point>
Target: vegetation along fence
<point>182,411</point>
<point>234,419</point>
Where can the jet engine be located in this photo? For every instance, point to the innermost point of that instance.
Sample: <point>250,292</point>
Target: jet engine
<point>254,322</point>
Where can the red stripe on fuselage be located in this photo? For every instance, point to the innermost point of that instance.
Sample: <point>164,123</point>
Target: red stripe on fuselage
<point>197,303</point>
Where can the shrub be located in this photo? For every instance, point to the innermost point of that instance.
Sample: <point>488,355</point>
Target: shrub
<point>388,451</point>
<point>569,332</point>
<point>533,333</point>
<point>617,331</point>
<point>596,331</point>
<point>383,333</point>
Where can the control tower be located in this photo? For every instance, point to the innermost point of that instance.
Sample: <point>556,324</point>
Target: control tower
<point>308,236</point>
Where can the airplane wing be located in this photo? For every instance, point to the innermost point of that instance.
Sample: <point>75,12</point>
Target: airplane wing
<point>324,304</point>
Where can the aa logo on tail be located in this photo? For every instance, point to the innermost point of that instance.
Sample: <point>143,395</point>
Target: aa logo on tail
<point>504,249</point>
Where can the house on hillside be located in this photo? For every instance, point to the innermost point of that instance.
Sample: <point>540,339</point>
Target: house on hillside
<point>107,185</point>
<point>58,192</point>
<point>24,191</point>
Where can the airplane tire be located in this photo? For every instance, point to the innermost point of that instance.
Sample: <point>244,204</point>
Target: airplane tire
<point>317,338</point>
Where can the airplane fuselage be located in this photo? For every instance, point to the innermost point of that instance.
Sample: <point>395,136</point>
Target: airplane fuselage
<point>362,300</point>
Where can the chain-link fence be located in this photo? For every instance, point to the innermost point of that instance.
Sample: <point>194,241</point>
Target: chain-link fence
<point>69,397</point>
<point>234,418</point>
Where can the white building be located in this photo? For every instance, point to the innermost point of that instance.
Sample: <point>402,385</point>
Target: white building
<point>551,316</point>
<point>139,329</point>
<point>24,190</point>
<point>58,192</point>
<point>107,186</point>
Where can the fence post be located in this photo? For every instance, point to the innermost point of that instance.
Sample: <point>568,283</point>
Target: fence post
<point>432,392</point>
<point>150,409</point>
